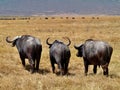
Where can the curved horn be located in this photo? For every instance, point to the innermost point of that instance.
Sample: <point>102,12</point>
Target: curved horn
<point>48,42</point>
<point>68,40</point>
<point>76,47</point>
<point>9,41</point>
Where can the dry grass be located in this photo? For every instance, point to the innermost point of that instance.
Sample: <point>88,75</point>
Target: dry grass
<point>14,77</point>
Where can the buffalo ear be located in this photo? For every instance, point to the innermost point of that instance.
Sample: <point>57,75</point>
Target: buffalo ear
<point>14,43</point>
<point>14,40</point>
<point>50,45</point>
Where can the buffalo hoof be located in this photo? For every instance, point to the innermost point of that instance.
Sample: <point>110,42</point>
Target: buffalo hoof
<point>85,74</point>
<point>106,74</point>
<point>32,71</point>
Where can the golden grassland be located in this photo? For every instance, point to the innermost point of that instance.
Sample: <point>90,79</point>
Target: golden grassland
<point>78,29</point>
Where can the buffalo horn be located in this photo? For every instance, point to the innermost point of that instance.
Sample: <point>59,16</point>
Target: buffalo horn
<point>76,47</point>
<point>11,41</point>
<point>48,42</point>
<point>69,41</point>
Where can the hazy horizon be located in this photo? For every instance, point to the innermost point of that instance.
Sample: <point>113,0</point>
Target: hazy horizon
<point>49,7</point>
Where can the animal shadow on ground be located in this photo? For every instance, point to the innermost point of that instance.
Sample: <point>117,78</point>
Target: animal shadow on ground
<point>68,74</point>
<point>40,71</point>
<point>109,76</point>
<point>43,71</point>
<point>114,76</point>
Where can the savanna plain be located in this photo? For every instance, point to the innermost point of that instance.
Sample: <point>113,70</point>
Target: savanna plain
<point>14,77</point>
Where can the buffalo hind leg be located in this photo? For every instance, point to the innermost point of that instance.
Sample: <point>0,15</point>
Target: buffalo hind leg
<point>105,71</point>
<point>95,69</point>
<point>52,64</point>
<point>61,67</point>
<point>38,57</point>
<point>32,64</point>
<point>53,67</point>
<point>66,67</point>
<point>37,62</point>
<point>86,67</point>
<point>37,65</point>
<point>23,61</point>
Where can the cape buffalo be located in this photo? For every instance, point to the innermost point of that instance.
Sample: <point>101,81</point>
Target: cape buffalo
<point>28,47</point>
<point>60,55</point>
<point>95,53</point>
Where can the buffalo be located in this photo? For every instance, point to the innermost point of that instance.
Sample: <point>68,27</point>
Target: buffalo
<point>95,52</point>
<point>28,47</point>
<point>60,55</point>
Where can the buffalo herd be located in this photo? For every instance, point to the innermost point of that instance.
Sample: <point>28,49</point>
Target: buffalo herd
<point>94,52</point>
